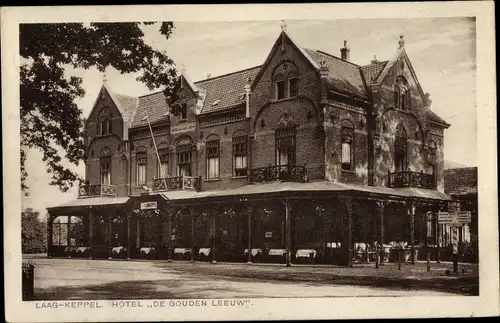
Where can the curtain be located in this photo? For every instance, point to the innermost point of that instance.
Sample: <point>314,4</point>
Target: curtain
<point>213,167</point>
<point>346,153</point>
<point>141,174</point>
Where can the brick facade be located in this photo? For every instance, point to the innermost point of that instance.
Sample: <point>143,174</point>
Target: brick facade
<point>318,109</point>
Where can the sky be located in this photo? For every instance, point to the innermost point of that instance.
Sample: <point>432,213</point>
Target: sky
<point>441,50</point>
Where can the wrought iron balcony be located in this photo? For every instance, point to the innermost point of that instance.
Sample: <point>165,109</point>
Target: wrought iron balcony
<point>286,173</point>
<point>177,183</point>
<point>88,190</point>
<point>411,179</point>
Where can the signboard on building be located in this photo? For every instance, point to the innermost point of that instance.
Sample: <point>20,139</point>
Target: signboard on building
<point>149,205</point>
<point>454,218</point>
<point>269,234</point>
<point>184,127</point>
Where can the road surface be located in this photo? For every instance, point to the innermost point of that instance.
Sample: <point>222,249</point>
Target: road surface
<point>65,279</point>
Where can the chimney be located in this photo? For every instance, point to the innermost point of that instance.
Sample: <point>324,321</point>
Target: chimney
<point>247,100</point>
<point>344,52</point>
<point>209,75</point>
<point>374,60</point>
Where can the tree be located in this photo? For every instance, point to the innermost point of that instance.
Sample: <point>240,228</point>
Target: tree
<point>33,232</point>
<point>50,119</point>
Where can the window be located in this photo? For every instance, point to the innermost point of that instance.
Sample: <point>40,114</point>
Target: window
<point>431,227</point>
<point>400,148</point>
<point>162,170</point>
<point>184,160</point>
<point>104,122</point>
<point>280,90</point>
<point>285,145</point>
<point>212,154</point>
<point>402,95</point>
<point>141,162</point>
<point>347,132</point>
<point>106,170</point>
<point>240,155</point>
<point>293,87</point>
<point>183,111</point>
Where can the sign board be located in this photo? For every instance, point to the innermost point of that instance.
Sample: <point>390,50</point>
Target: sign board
<point>455,218</point>
<point>269,234</point>
<point>149,205</point>
<point>184,127</point>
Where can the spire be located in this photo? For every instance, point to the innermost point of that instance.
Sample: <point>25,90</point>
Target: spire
<point>401,41</point>
<point>283,25</point>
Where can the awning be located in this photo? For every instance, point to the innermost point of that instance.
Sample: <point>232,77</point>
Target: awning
<point>89,202</point>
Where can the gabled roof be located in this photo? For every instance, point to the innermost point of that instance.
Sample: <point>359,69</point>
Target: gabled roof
<point>460,181</point>
<point>343,76</point>
<point>432,116</point>
<point>153,105</point>
<point>226,91</point>
<point>372,71</point>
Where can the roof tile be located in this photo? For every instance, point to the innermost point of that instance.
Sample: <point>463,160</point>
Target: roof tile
<point>225,91</point>
<point>153,105</point>
<point>372,71</point>
<point>343,76</point>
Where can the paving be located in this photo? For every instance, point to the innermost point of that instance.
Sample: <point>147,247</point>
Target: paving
<point>64,279</point>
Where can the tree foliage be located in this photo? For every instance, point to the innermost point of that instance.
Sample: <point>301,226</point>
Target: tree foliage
<point>33,232</point>
<point>51,121</point>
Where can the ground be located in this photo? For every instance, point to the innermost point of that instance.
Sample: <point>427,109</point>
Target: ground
<point>65,279</point>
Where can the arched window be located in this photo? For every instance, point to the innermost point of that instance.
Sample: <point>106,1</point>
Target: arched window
<point>212,156</point>
<point>105,122</point>
<point>285,141</point>
<point>162,169</point>
<point>286,81</point>
<point>105,162</point>
<point>347,133</point>
<point>400,148</point>
<point>183,148</point>
<point>402,95</point>
<point>240,142</point>
<point>431,157</point>
<point>141,161</point>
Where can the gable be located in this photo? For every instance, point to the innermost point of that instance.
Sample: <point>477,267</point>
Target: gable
<point>284,40</point>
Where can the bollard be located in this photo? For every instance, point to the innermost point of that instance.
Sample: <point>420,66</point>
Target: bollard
<point>428,261</point>
<point>400,251</point>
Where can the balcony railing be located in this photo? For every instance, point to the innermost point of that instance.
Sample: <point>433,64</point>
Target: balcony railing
<point>286,173</point>
<point>87,190</point>
<point>177,183</point>
<point>411,179</point>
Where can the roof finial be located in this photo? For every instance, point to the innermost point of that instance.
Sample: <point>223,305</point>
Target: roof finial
<point>283,25</point>
<point>401,41</point>
<point>104,77</point>
<point>183,69</point>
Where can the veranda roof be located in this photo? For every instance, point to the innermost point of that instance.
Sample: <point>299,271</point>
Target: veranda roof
<point>90,202</point>
<point>320,186</point>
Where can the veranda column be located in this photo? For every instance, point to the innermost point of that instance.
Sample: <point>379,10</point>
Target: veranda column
<point>381,209</point>
<point>214,228</point>
<point>411,212</point>
<point>288,232</point>
<point>68,236</point>
<point>169,230</point>
<point>50,233</point>
<point>348,202</point>
<point>192,215</point>
<point>91,233</point>
<point>129,242</point>
<point>110,236</point>
<point>436,219</point>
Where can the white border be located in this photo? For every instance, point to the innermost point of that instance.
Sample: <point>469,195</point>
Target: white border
<point>486,304</point>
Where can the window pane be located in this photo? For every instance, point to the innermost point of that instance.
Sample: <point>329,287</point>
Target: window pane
<point>162,170</point>
<point>280,90</point>
<point>213,167</point>
<point>293,87</point>
<point>141,174</point>
<point>346,153</point>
